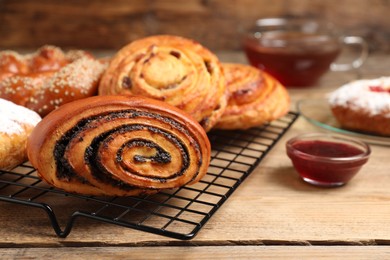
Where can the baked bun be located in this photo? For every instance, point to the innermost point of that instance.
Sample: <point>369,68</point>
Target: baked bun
<point>16,124</point>
<point>172,69</point>
<point>255,97</point>
<point>48,78</point>
<point>363,105</point>
<point>119,146</point>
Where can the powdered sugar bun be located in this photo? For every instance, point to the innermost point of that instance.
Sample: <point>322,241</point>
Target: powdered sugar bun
<point>363,105</point>
<point>16,124</point>
<point>48,78</point>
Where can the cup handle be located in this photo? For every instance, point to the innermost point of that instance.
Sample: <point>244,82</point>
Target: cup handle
<point>352,40</point>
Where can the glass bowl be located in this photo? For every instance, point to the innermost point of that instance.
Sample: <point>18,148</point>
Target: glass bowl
<point>325,159</point>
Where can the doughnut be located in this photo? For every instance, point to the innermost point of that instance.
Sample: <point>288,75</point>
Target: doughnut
<point>176,70</point>
<point>48,78</point>
<point>255,97</point>
<point>363,105</point>
<point>119,146</point>
<point>16,124</point>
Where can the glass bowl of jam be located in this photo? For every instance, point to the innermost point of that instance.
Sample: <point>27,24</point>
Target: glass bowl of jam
<point>325,159</point>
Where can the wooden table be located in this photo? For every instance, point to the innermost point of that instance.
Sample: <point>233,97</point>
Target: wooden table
<point>272,213</point>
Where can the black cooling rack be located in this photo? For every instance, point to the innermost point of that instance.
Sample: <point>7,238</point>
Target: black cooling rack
<point>177,213</point>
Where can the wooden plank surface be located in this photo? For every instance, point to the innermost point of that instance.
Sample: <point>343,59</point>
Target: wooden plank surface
<point>203,252</point>
<point>272,207</point>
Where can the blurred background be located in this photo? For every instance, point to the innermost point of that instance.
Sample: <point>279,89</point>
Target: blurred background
<point>217,24</point>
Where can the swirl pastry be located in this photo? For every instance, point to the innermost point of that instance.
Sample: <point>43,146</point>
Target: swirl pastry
<point>119,146</point>
<point>173,69</point>
<point>255,97</point>
<point>48,78</point>
<point>16,123</point>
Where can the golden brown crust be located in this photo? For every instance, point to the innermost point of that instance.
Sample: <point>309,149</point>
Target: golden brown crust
<point>358,120</point>
<point>48,78</point>
<point>255,98</point>
<point>16,123</point>
<point>363,105</point>
<point>119,145</point>
<point>12,150</point>
<point>173,69</point>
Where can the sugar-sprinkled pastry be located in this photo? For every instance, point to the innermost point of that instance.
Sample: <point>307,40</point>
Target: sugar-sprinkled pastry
<point>363,105</point>
<point>48,78</point>
<point>16,123</point>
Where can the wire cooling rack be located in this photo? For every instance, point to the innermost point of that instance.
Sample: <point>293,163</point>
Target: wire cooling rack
<point>177,213</point>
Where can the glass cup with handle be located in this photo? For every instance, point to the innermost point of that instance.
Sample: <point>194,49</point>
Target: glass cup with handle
<point>298,51</point>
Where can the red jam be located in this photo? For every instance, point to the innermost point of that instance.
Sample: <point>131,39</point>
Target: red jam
<point>323,170</point>
<point>379,89</point>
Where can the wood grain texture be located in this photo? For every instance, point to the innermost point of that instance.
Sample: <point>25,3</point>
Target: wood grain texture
<point>273,214</point>
<point>203,252</point>
<point>217,24</point>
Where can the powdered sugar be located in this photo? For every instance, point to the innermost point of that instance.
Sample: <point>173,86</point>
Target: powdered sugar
<point>358,95</point>
<point>12,117</point>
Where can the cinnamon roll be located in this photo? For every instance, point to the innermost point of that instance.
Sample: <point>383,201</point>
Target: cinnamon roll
<point>172,69</point>
<point>119,146</point>
<point>255,97</point>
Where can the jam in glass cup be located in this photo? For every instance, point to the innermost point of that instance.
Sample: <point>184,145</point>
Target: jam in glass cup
<point>325,159</point>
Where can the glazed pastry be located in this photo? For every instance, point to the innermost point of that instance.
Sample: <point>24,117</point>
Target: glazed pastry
<point>173,69</point>
<point>119,146</point>
<point>363,105</point>
<point>255,97</point>
<point>48,78</point>
<point>16,124</point>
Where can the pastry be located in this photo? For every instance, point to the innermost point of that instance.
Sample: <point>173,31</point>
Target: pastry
<point>255,97</point>
<point>16,123</point>
<point>48,78</point>
<point>119,146</point>
<point>363,105</point>
<point>172,69</point>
